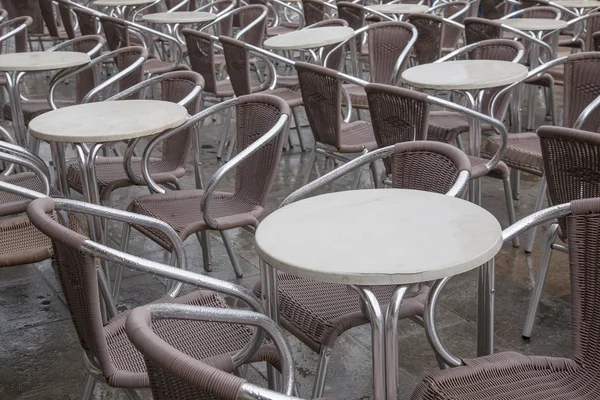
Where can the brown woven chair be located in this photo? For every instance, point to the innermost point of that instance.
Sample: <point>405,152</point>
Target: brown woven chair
<point>523,152</point>
<point>262,125</point>
<point>110,356</point>
<point>88,23</point>
<point>314,11</point>
<point>596,41</point>
<point>176,87</point>
<point>206,379</point>
<point>68,19</point>
<point>318,313</point>
<point>389,47</point>
<point>20,242</point>
<point>454,14</point>
<point>321,90</point>
<point>17,29</point>
<point>494,9</point>
<point>84,83</point>
<point>511,375</point>
<point>428,47</point>
<point>32,9</point>
<point>55,29</point>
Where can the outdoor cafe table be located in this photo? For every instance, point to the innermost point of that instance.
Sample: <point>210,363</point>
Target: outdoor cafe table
<point>397,10</point>
<point>580,7</point>
<point>308,39</point>
<point>365,238</point>
<point>179,17</point>
<point>469,77</point>
<point>15,65</point>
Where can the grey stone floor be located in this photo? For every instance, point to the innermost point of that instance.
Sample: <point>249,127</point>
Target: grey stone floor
<point>40,357</point>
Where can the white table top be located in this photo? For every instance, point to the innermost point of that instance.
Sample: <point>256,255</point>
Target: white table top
<point>41,61</point>
<point>534,24</point>
<point>378,237</point>
<point>309,38</point>
<point>398,8</point>
<point>578,3</point>
<point>107,121</point>
<point>118,3</point>
<point>179,17</point>
<point>464,74</point>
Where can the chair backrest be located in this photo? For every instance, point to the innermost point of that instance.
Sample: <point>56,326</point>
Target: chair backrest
<point>584,258</point>
<point>354,15</point>
<point>66,16</point>
<point>322,99</point>
<point>398,115</point>
<point>592,27</point>
<point>581,87</point>
<point>256,115</point>
<point>571,165</point>
<point>478,29</point>
<point>27,8</point>
<point>124,58</point>
<point>47,10</point>
<point>452,33</point>
<point>116,32</point>
<point>387,41</point>
<point>428,47</point>
<point>544,12</point>
<point>201,50</point>
<point>237,59</point>
<point>87,21</point>
<point>78,279</point>
<point>494,9</point>
<point>175,86</point>
<point>248,14</point>
<point>333,54</point>
<point>314,11</point>
<point>226,24</point>
<point>428,166</point>
<point>596,41</point>
<point>17,28</point>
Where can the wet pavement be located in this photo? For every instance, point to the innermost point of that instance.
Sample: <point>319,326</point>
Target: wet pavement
<point>40,357</point>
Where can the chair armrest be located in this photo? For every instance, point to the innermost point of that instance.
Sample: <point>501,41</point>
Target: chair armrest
<point>19,156</point>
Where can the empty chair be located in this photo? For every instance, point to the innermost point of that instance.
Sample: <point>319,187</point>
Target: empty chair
<point>56,31</point>
<point>314,11</point>
<point>318,313</point>
<point>88,22</point>
<point>510,375</point>
<point>494,9</point>
<point>182,87</point>
<point>262,124</point>
<point>428,46</point>
<point>32,9</point>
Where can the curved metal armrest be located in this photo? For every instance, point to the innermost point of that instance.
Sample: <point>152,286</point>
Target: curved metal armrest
<point>13,32</point>
<point>586,113</point>
<point>144,8</point>
<point>226,13</point>
<point>16,155</point>
<point>380,15</point>
<point>578,22</point>
<point>279,126</point>
<point>294,9</point>
<point>519,12</point>
<point>457,14</point>
<point>471,47</point>
<point>561,8</point>
<point>15,160</point>
<point>508,234</point>
<point>261,17</point>
<point>537,41</point>
<point>183,3</point>
<point>231,316</point>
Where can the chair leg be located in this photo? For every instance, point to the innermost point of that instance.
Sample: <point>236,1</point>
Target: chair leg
<point>205,244</point>
<point>230,148</point>
<point>539,202</point>
<point>319,385</point>
<point>125,235</point>
<point>510,205</point>
<point>224,134</point>
<point>539,283</point>
<point>311,165</point>
<point>90,384</point>
<point>515,178</point>
<point>298,128</point>
<point>231,253</point>
<point>375,175</point>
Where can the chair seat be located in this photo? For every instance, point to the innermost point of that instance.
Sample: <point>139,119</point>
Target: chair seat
<point>523,152</point>
<point>318,312</point>
<point>511,375</point>
<point>567,41</point>
<point>182,210</point>
<point>200,340</point>
<point>34,108</point>
<point>155,66</point>
<point>280,30</point>
<point>22,243</point>
<point>111,174</point>
<point>445,126</point>
<point>358,96</point>
<point>356,136</point>
<point>291,97</point>
<point>288,82</point>
<point>479,170</point>
<point>13,204</point>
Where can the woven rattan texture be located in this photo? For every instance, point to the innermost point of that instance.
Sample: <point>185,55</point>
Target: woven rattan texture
<point>428,47</point>
<point>27,8</point>
<point>478,29</point>
<point>201,50</point>
<point>314,11</point>
<point>387,41</point>
<point>452,33</point>
<point>86,20</point>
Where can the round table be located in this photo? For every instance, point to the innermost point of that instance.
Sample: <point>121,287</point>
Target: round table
<point>471,77</point>
<point>101,123</point>
<point>398,9</point>
<point>15,65</point>
<point>179,17</point>
<point>121,3</point>
<point>374,237</point>
<point>534,24</point>
<point>307,39</point>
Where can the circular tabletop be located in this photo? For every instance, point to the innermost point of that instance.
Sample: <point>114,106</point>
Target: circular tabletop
<point>107,121</point>
<point>179,17</point>
<point>41,60</point>
<point>309,38</point>
<point>534,24</point>
<point>378,237</point>
<point>119,3</point>
<point>398,8</point>
<point>578,3</point>
<point>464,74</point>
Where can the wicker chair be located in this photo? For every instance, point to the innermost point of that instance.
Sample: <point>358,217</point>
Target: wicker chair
<point>523,152</point>
<point>511,375</point>
<point>17,29</point>
<point>596,41</point>
<point>494,9</point>
<point>88,22</point>
<point>32,9</point>
<point>110,356</point>
<point>262,124</point>
<point>314,11</point>
<point>92,45</point>
<point>318,313</point>
<point>455,11</point>
<point>20,242</point>
<point>68,19</point>
<point>56,31</point>
<point>176,87</point>
<point>428,47</point>
<point>321,90</point>
<point>389,47</point>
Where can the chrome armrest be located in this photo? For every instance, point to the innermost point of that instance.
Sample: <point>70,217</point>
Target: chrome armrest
<point>586,113</point>
<point>16,155</point>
